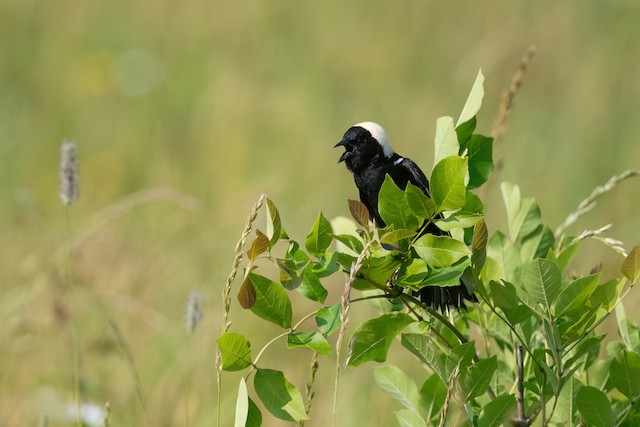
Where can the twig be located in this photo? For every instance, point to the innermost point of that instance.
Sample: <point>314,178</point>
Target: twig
<point>344,319</point>
<point>449,396</point>
<point>522,419</point>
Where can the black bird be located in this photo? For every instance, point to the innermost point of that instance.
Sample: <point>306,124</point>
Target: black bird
<point>369,156</point>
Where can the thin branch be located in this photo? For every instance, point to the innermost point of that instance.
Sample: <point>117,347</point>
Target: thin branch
<point>522,418</point>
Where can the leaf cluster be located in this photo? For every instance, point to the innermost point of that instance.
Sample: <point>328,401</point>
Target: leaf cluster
<point>528,298</point>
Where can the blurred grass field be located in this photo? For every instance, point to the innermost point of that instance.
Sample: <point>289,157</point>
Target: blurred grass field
<point>184,113</point>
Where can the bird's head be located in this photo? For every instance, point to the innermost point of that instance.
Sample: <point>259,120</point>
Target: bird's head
<point>364,144</point>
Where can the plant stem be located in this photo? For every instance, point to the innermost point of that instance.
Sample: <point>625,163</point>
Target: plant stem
<point>75,345</point>
<point>522,419</point>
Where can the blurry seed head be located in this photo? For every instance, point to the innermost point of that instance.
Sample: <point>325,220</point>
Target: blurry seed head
<point>68,173</point>
<point>193,315</point>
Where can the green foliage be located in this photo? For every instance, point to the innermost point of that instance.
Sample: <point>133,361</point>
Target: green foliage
<point>279,396</point>
<point>528,300</point>
<point>371,340</point>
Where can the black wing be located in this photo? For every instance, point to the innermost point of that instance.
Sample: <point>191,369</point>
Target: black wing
<point>416,176</point>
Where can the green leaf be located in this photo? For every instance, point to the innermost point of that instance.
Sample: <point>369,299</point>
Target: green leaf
<point>631,265</point>
<point>498,412</point>
<point>523,215</point>
<point>412,274</point>
<point>588,346</point>
<point>461,357</point>
<point>235,350</point>
<point>628,329</point>
<point>292,266</point>
<point>275,231</point>
<point>394,236</point>
<point>503,294</point>
<point>474,101</point>
<point>605,295</point>
<point>432,395</point>
<point>473,203</point>
<point>624,372</point>
<point>475,381</point>
<point>254,418</point>
<point>445,276</point>
<point>425,350</point>
<point>407,418</point>
<point>327,265</point>
<point>502,251</point>
<point>578,327</point>
<point>479,247</point>
<point>537,244</point>
<point>465,130</point>
<point>319,238</point>
<point>576,294</point>
<point>398,385</point>
<point>350,241</point>
<point>272,302</point>
<point>541,280</point>
<point>328,319</point>
<point>567,252</point>
<point>381,269</point>
<point>394,208</point>
<point>311,286</point>
<point>259,246</point>
<point>446,141</point>
<point>279,396</point>
<point>448,189</point>
<point>440,251</point>
<point>371,340</point>
<point>242,405</point>
<point>479,152</point>
<point>459,219</point>
<point>312,340</point>
<point>594,407</point>
<point>420,203</point>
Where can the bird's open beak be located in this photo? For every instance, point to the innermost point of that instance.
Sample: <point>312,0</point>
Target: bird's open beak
<point>348,150</point>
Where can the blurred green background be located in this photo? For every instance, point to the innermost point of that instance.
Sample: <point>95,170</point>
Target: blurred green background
<point>185,112</point>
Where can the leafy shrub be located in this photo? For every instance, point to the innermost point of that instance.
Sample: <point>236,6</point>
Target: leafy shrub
<point>536,352</point>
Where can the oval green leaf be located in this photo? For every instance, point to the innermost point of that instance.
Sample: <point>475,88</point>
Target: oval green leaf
<point>594,407</point>
<point>235,350</point>
<point>448,190</point>
<point>440,251</point>
<point>272,302</point>
<point>371,340</point>
<point>624,372</point>
<point>279,396</point>
<point>319,238</point>
<point>312,340</point>
<point>393,207</point>
<point>541,280</point>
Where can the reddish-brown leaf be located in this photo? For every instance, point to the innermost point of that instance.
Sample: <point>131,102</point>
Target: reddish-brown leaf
<point>359,212</point>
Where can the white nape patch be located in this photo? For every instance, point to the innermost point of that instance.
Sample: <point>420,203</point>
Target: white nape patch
<point>380,135</point>
<point>397,162</point>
